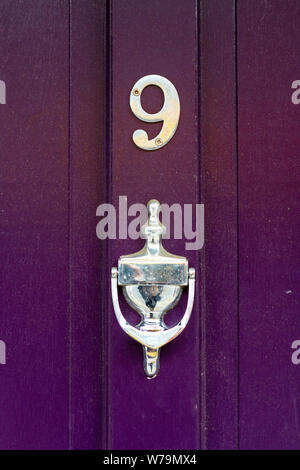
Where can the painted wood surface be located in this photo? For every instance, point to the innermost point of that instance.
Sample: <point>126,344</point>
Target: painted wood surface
<point>72,378</point>
<point>219,267</point>
<point>34,50</point>
<point>269,172</point>
<point>88,269</point>
<point>164,412</point>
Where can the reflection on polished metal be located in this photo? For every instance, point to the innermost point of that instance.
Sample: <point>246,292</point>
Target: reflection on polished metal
<point>169,113</point>
<point>152,281</point>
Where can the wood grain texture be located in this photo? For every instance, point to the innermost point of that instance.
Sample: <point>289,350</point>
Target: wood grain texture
<point>34,224</point>
<point>88,270</point>
<point>151,38</point>
<point>72,378</point>
<point>269,172</point>
<point>219,267</point>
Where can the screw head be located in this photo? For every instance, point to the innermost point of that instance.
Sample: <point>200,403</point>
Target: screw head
<point>136,92</point>
<point>158,141</point>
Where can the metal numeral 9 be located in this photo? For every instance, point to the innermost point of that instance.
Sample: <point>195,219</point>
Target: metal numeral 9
<point>169,113</point>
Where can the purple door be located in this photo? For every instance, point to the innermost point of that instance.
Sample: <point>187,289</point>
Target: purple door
<point>70,378</point>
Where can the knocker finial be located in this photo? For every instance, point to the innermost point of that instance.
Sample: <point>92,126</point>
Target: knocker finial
<point>153,229</point>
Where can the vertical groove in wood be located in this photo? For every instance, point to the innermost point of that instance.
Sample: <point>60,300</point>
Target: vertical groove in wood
<point>107,181</point>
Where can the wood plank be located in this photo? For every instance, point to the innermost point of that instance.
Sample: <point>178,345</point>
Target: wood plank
<point>89,270</point>
<point>219,288</point>
<point>158,37</point>
<point>268,48</point>
<point>34,224</point>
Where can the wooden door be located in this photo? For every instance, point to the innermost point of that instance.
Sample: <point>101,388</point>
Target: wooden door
<point>70,378</point>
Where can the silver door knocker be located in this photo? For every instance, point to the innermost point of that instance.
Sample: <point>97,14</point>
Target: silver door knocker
<point>152,281</point>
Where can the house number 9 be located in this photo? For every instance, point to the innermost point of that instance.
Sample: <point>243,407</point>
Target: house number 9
<point>169,113</point>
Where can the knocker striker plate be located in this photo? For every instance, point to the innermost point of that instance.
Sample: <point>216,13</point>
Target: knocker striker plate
<point>152,281</point>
